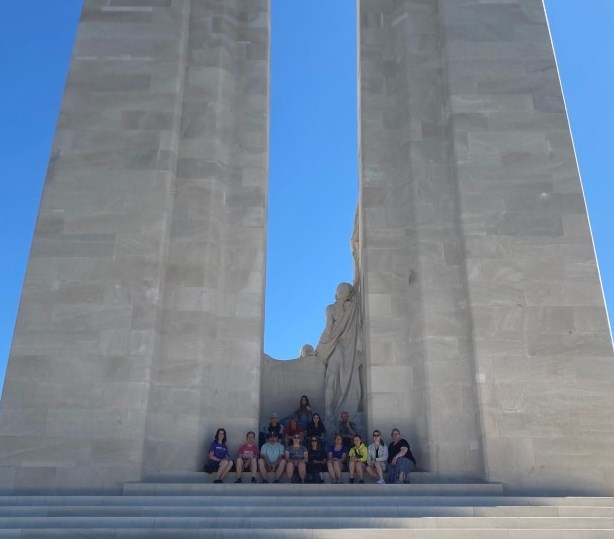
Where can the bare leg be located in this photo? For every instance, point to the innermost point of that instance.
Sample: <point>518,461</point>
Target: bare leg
<point>360,470</point>
<point>337,468</point>
<point>281,466</point>
<point>262,469</point>
<point>239,468</point>
<point>352,468</point>
<point>290,470</point>
<point>302,471</point>
<point>253,466</point>
<point>331,471</point>
<point>225,467</point>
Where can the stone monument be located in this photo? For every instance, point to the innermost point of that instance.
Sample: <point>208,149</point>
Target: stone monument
<point>483,331</point>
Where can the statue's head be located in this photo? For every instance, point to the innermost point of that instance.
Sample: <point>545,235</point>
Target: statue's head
<point>307,350</point>
<point>344,291</point>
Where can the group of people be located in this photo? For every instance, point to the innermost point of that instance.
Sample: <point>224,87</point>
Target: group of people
<point>303,454</point>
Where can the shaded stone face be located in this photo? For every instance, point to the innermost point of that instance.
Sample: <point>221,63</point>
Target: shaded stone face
<point>486,326</point>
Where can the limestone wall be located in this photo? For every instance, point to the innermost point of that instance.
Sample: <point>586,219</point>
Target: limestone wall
<point>417,323</point>
<point>487,327</point>
<point>543,348</point>
<point>140,324</point>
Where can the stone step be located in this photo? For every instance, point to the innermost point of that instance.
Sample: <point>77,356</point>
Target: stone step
<point>357,510</point>
<point>284,533</point>
<point>289,489</point>
<point>307,522</point>
<point>202,477</point>
<point>350,497</point>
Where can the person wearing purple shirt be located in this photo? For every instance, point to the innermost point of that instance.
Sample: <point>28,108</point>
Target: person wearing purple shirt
<point>219,461</point>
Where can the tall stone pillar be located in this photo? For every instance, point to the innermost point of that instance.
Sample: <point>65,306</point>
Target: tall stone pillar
<point>487,336</point>
<point>140,324</point>
<point>418,329</point>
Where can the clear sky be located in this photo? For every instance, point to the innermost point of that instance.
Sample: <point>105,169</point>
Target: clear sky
<point>313,170</point>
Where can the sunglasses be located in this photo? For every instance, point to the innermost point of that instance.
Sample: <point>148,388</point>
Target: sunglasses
<point>313,441</point>
<point>296,437</point>
<point>376,435</point>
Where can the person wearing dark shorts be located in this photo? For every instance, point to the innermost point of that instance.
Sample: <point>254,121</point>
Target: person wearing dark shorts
<point>219,462</point>
<point>316,461</point>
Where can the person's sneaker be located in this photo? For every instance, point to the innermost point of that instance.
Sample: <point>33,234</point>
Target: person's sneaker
<point>253,480</point>
<point>351,480</point>
<point>381,482</point>
<point>361,482</point>
<point>265,481</point>
<point>239,480</point>
<point>218,481</point>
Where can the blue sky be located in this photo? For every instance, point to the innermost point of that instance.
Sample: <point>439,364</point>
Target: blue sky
<point>313,171</point>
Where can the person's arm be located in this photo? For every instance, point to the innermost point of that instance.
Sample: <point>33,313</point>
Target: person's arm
<point>383,453</point>
<point>287,455</point>
<point>305,457</point>
<point>364,454</point>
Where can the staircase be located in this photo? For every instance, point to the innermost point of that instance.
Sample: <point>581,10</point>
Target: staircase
<point>190,506</point>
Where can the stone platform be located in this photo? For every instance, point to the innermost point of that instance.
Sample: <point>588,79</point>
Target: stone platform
<point>425,509</point>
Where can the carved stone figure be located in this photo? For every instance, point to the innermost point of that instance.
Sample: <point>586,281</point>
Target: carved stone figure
<point>340,349</point>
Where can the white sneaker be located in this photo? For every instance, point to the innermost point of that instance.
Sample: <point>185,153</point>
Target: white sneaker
<point>381,482</point>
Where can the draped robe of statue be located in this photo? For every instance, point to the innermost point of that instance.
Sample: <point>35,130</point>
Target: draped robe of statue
<point>341,350</point>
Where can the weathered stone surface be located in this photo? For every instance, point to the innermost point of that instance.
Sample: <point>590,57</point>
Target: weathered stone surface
<point>140,325</point>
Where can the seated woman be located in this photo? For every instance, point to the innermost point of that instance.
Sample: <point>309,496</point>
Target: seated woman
<point>337,455</point>
<point>378,457</point>
<point>296,458</point>
<point>317,429</point>
<point>316,460</point>
<point>303,412</point>
<point>400,459</point>
<point>247,457</point>
<point>291,429</point>
<point>218,457</point>
<point>358,459</point>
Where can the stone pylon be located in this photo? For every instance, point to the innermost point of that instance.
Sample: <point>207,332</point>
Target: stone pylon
<point>140,325</point>
<point>487,334</point>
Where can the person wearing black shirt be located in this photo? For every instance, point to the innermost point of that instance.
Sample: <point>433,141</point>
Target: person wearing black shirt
<point>316,461</point>
<point>400,459</point>
<point>317,429</point>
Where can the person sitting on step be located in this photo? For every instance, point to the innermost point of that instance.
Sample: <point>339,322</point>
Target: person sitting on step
<point>291,429</point>
<point>275,426</point>
<point>358,459</point>
<point>247,457</point>
<point>400,459</point>
<point>316,460</point>
<point>378,457</point>
<point>347,429</point>
<point>219,461</point>
<point>296,459</point>
<point>317,429</point>
<point>272,458</point>
<point>337,455</point>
